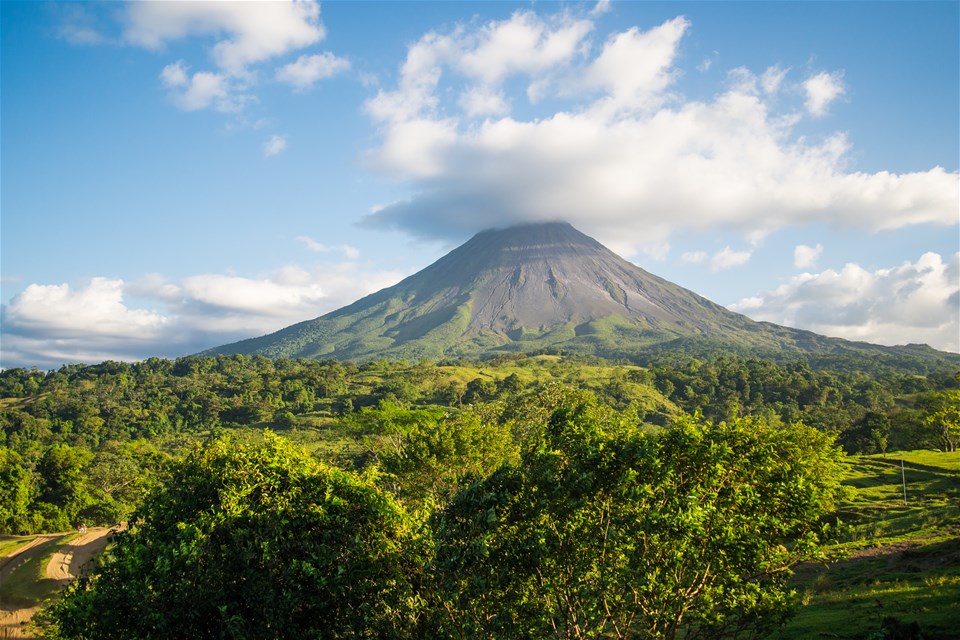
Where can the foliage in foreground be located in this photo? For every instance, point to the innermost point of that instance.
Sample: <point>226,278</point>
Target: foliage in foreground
<point>253,543</point>
<point>601,530</point>
<point>606,532</point>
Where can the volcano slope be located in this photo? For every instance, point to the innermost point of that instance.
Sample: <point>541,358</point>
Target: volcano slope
<point>543,288</point>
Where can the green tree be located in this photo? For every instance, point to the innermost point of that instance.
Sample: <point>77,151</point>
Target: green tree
<point>437,457</point>
<point>63,492</point>
<point>252,542</point>
<point>15,494</point>
<point>479,390</point>
<point>607,532</point>
<point>510,385</point>
<point>119,477</point>
<point>943,418</point>
<point>389,424</point>
<point>870,434</point>
<point>284,419</point>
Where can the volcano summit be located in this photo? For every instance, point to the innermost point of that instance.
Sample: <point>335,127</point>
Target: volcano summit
<point>536,288</point>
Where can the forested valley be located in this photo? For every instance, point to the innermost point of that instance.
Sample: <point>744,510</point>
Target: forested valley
<point>520,497</point>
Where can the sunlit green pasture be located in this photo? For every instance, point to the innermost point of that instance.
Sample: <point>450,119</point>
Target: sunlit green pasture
<point>903,559</point>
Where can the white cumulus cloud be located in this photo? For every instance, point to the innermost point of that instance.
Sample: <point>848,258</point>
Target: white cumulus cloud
<point>805,257</point>
<point>245,32</point>
<point>627,159</point>
<point>200,90</point>
<point>915,302</point>
<point>524,45</point>
<point>483,101</point>
<point>308,70</point>
<point>48,325</point>
<point>635,67</point>
<point>175,75</point>
<point>243,35</point>
<point>822,89</point>
<point>96,308</point>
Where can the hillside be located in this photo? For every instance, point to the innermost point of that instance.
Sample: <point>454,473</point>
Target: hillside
<point>549,288</point>
<point>88,443</point>
<point>899,573</point>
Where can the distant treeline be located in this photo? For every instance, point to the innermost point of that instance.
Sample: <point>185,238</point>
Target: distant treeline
<point>87,442</point>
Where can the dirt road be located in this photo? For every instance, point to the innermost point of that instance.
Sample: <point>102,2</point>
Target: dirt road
<point>15,559</point>
<point>14,616</point>
<point>69,560</point>
<point>66,562</point>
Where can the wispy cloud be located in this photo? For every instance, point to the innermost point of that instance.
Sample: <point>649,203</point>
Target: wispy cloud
<point>694,257</point>
<point>276,144</point>
<point>76,24</point>
<point>306,71</point>
<point>727,258</point>
<point>351,253</point>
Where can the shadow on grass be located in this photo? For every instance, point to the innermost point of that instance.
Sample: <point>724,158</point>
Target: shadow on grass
<point>22,583</point>
<point>868,596</point>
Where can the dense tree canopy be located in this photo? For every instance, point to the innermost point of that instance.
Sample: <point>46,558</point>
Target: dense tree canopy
<point>605,531</point>
<point>600,528</point>
<point>89,441</point>
<point>253,542</point>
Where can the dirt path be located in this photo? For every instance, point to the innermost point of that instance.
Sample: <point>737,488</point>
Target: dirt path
<point>68,561</point>
<point>10,562</point>
<point>12,622</point>
<point>12,618</point>
<point>65,564</point>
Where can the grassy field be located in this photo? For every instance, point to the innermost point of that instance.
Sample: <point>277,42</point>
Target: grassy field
<point>10,544</point>
<point>901,574</point>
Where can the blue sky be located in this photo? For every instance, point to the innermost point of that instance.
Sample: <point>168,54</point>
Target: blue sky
<point>179,175</point>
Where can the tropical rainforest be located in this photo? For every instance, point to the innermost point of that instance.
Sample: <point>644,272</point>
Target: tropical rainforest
<point>519,497</point>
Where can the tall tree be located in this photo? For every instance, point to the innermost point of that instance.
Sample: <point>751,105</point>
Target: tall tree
<point>15,493</point>
<point>943,418</point>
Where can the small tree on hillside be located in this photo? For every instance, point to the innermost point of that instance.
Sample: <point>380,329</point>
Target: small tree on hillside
<point>943,419</point>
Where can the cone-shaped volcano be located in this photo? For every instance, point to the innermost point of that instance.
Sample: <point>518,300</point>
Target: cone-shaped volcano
<point>527,289</point>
